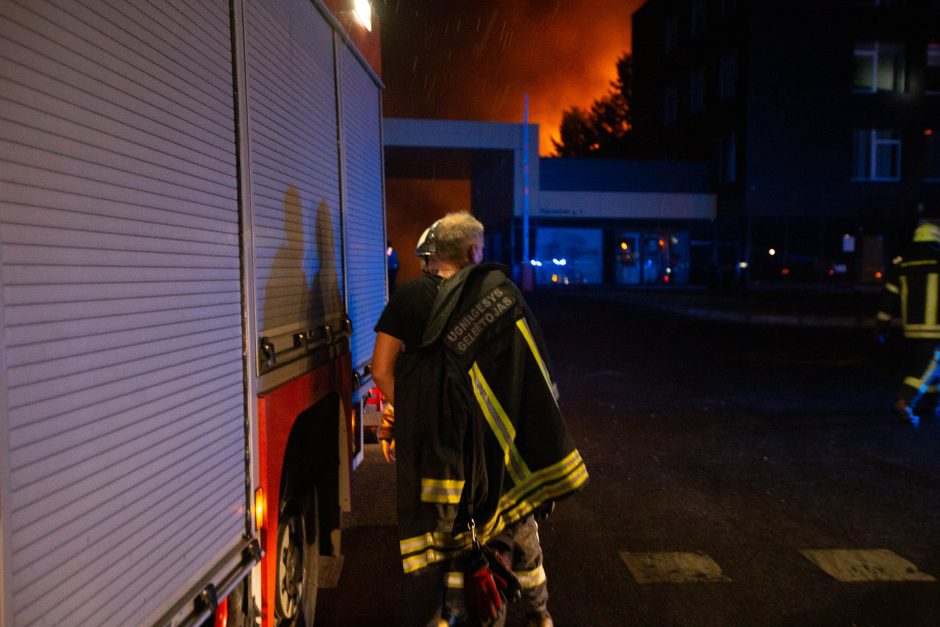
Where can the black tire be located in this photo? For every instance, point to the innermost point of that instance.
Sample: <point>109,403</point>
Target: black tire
<point>295,594</point>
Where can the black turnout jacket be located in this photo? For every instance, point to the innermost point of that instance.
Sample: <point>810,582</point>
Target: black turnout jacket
<point>478,432</point>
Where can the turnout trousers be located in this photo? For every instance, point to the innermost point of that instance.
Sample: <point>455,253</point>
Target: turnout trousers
<point>520,547</point>
<point>921,371</point>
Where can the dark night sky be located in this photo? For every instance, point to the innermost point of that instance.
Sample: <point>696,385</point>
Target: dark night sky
<point>474,59</point>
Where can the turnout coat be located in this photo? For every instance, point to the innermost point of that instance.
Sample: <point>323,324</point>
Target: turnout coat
<point>478,432</point>
<point>912,293</point>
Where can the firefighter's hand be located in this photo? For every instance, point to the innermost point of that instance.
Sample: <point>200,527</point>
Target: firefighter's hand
<point>388,450</point>
<point>386,433</point>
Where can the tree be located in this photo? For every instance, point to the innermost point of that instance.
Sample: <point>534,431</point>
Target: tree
<point>604,130</point>
<point>578,137</point>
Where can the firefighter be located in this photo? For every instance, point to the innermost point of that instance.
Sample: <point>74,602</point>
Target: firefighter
<point>425,252</point>
<point>477,374</point>
<point>912,294</point>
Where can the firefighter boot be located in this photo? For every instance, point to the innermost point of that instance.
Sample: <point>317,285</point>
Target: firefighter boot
<point>906,412</point>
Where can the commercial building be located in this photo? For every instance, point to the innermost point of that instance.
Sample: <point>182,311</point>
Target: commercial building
<point>565,221</point>
<point>819,123</point>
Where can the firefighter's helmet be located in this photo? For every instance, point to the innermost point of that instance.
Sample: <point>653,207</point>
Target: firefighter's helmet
<point>426,246</point>
<point>927,232</point>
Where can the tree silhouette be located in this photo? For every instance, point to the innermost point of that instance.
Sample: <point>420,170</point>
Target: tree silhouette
<point>605,130</point>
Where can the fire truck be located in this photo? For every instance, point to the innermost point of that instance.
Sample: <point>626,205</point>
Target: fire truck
<point>192,260</point>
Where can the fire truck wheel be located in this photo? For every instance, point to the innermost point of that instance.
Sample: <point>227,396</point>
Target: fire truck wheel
<point>290,566</point>
<point>297,578</point>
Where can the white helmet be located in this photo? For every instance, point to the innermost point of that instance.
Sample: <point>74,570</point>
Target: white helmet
<point>426,245</point>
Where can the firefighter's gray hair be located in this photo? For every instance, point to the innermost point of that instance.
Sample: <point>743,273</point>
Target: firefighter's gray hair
<point>454,234</point>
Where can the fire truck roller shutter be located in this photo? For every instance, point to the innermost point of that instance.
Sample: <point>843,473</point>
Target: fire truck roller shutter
<point>294,168</point>
<point>364,209</point>
<point>123,462</point>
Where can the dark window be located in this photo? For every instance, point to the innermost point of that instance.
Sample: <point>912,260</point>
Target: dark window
<point>727,158</point>
<point>879,66</point>
<point>876,155</point>
<point>932,155</point>
<point>697,22</point>
<point>669,104</point>
<point>697,90</point>
<point>670,35</point>
<point>932,82</point>
<point>728,79</point>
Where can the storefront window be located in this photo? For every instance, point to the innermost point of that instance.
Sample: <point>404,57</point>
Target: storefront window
<point>567,256</point>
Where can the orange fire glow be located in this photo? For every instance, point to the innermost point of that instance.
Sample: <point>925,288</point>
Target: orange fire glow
<point>476,60</point>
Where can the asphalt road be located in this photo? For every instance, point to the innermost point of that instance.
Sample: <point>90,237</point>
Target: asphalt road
<point>739,476</point>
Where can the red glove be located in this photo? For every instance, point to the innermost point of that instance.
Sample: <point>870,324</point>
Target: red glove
<point>481,587</point>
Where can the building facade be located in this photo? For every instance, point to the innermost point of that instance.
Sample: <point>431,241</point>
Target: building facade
<point>564,222</point>
<point>819,123</point>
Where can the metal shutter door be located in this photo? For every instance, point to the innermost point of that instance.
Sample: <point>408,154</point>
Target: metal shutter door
<point>294,166</point>
<point>364,211</point>
<point>121,290</point>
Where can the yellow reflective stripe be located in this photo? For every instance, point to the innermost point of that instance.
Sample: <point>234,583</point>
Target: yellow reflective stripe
<point>923,335</point>
<point>548,492</point>
<point>527,334</point>
<point>913,382</point>
<point>904,298</point>
<point>441,490</point>
<point>500,424</point>
<point>922,327</point>
<point>884,315</point>
<point>891,287</point>
<point>431,548</point>
<point>930,307</point>
<point>545,475</point>
<point>454,579</point>
<point>543,485</point>
<point>531,578</point>
<point>421,560</point>
<point>546,484</point>
<point>923,262</point>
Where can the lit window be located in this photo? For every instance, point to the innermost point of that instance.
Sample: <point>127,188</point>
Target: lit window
<point>697,22</point>
<point>697,90</point>
<point>669,105</point>
<point>932,79</point>
<point>727,158</point>
<point>728,81</point>
<point>877,155</point>
<point>932,157</point>
<point>879,66</point>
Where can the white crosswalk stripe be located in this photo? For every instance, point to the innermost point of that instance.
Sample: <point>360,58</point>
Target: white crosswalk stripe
<point>858,565</point>
<point>845,565</point>
<point>672,567</point>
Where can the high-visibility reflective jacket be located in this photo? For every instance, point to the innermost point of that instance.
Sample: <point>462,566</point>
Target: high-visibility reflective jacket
<point>478,432</point>
<point>912,292</point>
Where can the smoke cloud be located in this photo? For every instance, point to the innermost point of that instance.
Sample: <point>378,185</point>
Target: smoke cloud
<point>450,59</point>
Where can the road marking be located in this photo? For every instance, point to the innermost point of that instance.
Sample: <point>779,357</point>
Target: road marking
<point>672,567</point>
<point>865,565</point>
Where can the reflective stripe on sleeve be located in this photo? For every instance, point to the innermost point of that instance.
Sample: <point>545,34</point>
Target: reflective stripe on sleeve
<point>454,579</point>
<point>523,327</point>
<point>891,287</point>
<point>530,579</point>
<point>446,491</point>
<point>500,424</point>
